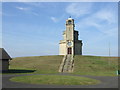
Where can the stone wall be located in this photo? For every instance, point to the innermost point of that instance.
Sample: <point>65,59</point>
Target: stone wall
<point>62,48</point>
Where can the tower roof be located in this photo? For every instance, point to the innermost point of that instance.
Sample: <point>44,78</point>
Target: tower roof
<point>70,18</point>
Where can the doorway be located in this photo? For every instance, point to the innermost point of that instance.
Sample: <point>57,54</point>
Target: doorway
<point>69,50</point>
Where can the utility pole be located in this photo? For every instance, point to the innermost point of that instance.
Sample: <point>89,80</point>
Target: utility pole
<point>109,54</point>
<point>109,49</point>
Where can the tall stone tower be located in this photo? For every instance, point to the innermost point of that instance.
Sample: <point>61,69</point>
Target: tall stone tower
<point>70,43</point>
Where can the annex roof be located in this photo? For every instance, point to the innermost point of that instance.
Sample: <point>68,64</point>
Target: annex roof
<point>4,54</point>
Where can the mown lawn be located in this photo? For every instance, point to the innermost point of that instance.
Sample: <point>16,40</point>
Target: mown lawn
<point>55,80</point>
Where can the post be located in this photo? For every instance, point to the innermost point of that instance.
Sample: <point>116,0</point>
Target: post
<point>109,54</point>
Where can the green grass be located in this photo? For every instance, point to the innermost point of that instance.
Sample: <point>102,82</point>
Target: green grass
<point>42,64</point>
<point>95,65</point>
<point>84,65</point>
<point>55,80</point>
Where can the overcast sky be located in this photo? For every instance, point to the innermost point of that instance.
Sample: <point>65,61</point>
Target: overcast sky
<point>35,29</point>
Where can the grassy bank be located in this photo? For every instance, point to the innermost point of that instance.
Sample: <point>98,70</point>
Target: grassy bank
<point>95,65</point>
<point>40,64</point>
<point>84,65</point>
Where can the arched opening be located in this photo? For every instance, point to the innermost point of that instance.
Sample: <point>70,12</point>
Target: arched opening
<point>69,22</point>
<point>69,50</point>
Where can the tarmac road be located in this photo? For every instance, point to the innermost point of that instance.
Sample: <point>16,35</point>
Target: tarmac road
<point>106,82</point>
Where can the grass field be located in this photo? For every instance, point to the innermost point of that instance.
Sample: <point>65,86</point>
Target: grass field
<point>41,64</point>
<point>95,65</point>
<point>84,65</point>
<point>55,80</point>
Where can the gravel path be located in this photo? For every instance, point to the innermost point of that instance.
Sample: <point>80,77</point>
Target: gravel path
<point>106,82</point>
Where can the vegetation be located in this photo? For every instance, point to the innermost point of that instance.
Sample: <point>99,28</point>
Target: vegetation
<point>95,65</point>
<point>55,80</point>
<point>41,64</point>
<point>84,65</point>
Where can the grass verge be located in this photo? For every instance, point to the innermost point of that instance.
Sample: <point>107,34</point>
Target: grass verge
<point>55,80</point>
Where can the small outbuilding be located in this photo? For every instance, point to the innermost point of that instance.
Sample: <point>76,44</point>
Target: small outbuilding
<point>4,60</point>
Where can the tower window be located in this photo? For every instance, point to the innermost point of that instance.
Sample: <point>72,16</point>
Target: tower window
<point>69,22</point>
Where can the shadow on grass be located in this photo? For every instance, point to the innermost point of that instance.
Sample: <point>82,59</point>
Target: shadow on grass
<point>18,71</point>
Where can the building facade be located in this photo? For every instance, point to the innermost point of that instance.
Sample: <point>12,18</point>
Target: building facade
<point>70,43</point>
<point>4,60</point>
